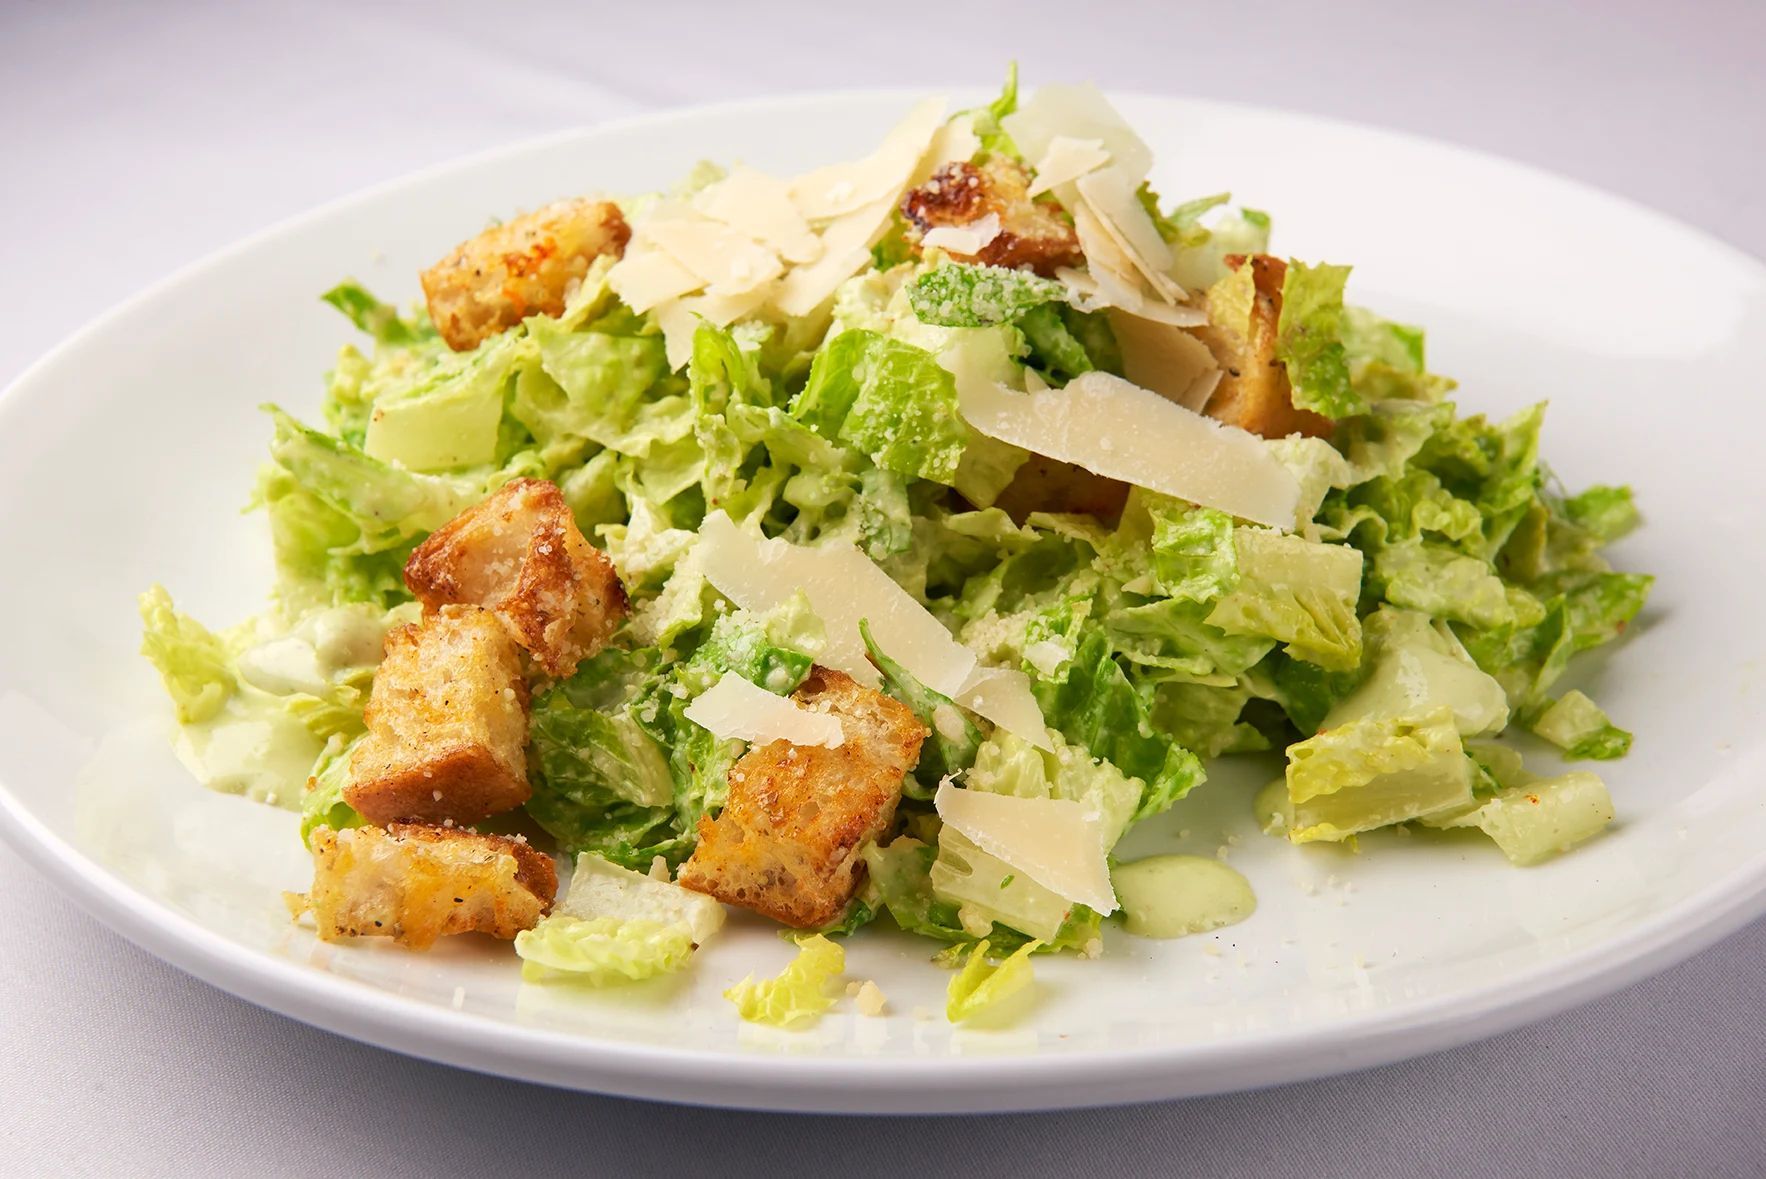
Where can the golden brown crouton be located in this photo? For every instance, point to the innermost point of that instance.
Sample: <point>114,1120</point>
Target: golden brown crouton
<point>520,554</point>
<point>447,724</point>
<point>786,843</point>
<point>414,883</point>
<point>1031,234</point>
<point>1253,393</point>
<point>1044,484</point>
<point>520,268</point>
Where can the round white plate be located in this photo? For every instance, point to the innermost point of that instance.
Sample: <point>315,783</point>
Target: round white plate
<point>127,454</point>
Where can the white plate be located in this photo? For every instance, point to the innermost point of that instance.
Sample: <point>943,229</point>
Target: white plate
<point>126,455</point>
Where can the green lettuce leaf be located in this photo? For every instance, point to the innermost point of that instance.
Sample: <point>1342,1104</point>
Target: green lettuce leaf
<point>981,989</point>
<point>1299,592</point>
<point>889,400</point>
<point>194,663</point>
<point>1373,772</point>
<point>1098,709</point>
<point>379,320</point>
<point>954,740</point>
<point>979,296</point>
<point>799,994</point>
<point>1578,726</point>
<point>1309,340</point>
<point>601,951</point>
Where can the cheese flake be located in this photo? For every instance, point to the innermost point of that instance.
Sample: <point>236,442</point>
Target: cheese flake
<point>1112,200</point>
<point>844,588</point>
<point>1168,360</point>
<point>759,205</point>
<point>1055,842</point>
<point>953,142</point>
<point>730,262</point>
<point>646,278</point>
<point>964,239</point>
<point>1077,112</point>
<point>839,189</point>
<point>1003,696</point>
<point>735,709</point>
<point>1113,279</point>
<point>1121,431</point>
<point>846,249</point>
<point>1066,160</point>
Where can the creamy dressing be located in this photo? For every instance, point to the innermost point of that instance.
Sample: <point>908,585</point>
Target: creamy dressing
<point>1176,895</point>
<point>1275,814</point>
<point>259,751</point>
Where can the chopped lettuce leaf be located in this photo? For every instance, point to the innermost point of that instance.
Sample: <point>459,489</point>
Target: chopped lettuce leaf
<point>799,994</point>
<point>1578,726</point>
<point>889,400</point>
<point>979,296</point>
<point>1373,772</point>
<point>601,951</point>
<point>1301,593</point>
<point>981,989</point>
<point>194,663</point>
<point>955,738</point>
<point>1309,340</point>
<point>371,315</point>
<point>1541,818</point>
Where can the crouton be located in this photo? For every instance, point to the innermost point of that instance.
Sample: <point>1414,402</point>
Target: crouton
<point>786,843</point>
<point>415,883</point>
<point>1044,484</point>
<point>519,554</point>
<point>1031,233</point>
<point>1254,393</point>
<point>447,724</point>
<point>520,268</point>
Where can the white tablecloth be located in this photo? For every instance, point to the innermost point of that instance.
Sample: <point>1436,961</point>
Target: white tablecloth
<point>136,137</point>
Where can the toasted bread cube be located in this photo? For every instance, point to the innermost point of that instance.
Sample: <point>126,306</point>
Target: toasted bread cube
<point>520,554</point>
<point>520,268</point>
<point>786,843</point>
<point>1031,234</point>
<point>1254,393</point>
<point>415,883</point>
<point>447,724</point>
<point>1045,484</point>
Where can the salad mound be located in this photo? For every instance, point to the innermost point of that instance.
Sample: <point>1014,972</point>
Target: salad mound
<point>879,545</point>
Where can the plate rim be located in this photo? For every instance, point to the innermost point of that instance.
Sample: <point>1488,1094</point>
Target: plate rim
<point>841,1082</point>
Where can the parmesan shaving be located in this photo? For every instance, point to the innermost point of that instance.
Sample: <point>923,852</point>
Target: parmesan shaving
<point>1077,112</point>
<point>844,588</point>
<point>955,141</point>
<point>964,239</point>
<point>1121,431</point>
<point>1168,360</point>
<point>839,189</point>
<point>846,249</point>
<point>760,206</point>
<point>730,262</point>
<point>643,280</point>
<point>1055,842</point>
<point>1111,197</point>
<point>1066,160</point>
<point>1003,696</point>
<point>735,709</point>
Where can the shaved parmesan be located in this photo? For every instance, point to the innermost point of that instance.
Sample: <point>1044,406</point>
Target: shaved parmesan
<point>600,889</point>
<point>964,239</point>
<point>1077,112</point>
<point>1054,841</point>
<point>730,262</point>
<point>846,249</point>
<point>1111,197</point>
<point>1119,430</point>
<point>644,279</point>
<point>679,319</point>
<point>1003,696</point>
<point>735,709</point>
<point>839,189</point>
<point>1168,360</point>
<point>1067,160</point>
<point>760,206</point>
<point>955,141</point>
<point>1114,279</point>
<point>844,588</point>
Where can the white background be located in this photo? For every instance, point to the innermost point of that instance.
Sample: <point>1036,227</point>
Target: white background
<point>135,138</point>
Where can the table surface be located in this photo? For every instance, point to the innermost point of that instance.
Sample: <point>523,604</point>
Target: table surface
<point>139,137</point>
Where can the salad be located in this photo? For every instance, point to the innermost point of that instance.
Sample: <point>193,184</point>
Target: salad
<point>877,546</point>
